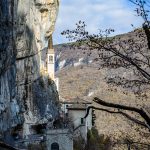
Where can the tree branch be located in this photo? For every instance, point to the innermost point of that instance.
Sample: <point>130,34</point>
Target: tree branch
<point>29,55</point>
<point>141,112</point>
<point>119,54</point>
<point>117,112</point>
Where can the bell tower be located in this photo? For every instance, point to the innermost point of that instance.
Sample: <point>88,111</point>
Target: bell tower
<point>51,62</point>
<point>51,59</point>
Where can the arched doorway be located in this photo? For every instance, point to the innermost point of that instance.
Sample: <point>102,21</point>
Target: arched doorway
<point>54,146</point>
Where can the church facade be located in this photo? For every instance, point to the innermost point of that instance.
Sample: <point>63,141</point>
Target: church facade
<point>59,139</point>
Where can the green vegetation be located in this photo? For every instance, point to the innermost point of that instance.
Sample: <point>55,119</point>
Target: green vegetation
<point>50,81</point>
<point>41,82</point>
<point>94,142</point>
<point>40,146</point>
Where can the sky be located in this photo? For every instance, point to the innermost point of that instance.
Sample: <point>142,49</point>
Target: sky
<point>97,14</point>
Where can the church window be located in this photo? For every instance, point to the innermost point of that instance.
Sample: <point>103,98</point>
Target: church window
<point>82,120</point>
<point>66,114</point>
<point>54,146</point>
<point>51,59</point>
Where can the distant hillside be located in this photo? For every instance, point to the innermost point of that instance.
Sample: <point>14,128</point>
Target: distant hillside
<point>68,56</point>
<point>79,76</point>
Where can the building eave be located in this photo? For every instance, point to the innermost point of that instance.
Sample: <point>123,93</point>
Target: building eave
<point>71,102</point>
<point>76,108</point>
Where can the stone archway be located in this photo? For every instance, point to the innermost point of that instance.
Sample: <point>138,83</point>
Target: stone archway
<point>54,146</point>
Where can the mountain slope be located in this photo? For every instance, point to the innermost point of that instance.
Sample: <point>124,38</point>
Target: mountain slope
<point>80,75</point>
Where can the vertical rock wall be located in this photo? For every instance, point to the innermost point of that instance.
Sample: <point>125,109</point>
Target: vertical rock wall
<point>7,65</point>
<point>26,96</point>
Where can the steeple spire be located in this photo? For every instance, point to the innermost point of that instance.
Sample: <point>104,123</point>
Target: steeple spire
<point>50,42</point>
<point>50,45</point>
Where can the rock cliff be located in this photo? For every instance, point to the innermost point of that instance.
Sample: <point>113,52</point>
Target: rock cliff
<point>26,95</point>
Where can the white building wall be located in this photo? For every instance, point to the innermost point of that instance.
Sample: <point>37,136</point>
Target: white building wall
<point>89,120</point>
<point>76,115</point>
<point>51,66</point>
<point>64,107</point>
<point>57,83</point>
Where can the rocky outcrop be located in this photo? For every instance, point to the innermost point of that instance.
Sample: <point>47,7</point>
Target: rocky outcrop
<point>25,93</point>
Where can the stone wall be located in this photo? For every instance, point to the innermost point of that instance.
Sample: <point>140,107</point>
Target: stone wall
<point>60,136</point>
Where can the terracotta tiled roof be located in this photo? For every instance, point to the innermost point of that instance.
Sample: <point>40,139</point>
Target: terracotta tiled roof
<point>76,100</point>
<point>77,106</point>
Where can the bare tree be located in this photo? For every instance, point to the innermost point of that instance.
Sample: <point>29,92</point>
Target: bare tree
<point>132,54</point>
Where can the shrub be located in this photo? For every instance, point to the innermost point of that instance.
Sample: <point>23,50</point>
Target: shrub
<point>94,142</point>
<point>50,81</point>
<point>40,146</point>
<point>41,82</point>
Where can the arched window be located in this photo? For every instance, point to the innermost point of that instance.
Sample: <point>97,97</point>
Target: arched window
<point>51,60</point>
<point>54,146</point>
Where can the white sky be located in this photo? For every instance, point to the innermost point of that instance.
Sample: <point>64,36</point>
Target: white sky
<point>97,14</point>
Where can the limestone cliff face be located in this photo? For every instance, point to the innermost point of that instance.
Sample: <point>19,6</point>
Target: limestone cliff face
<point>26,96</point>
